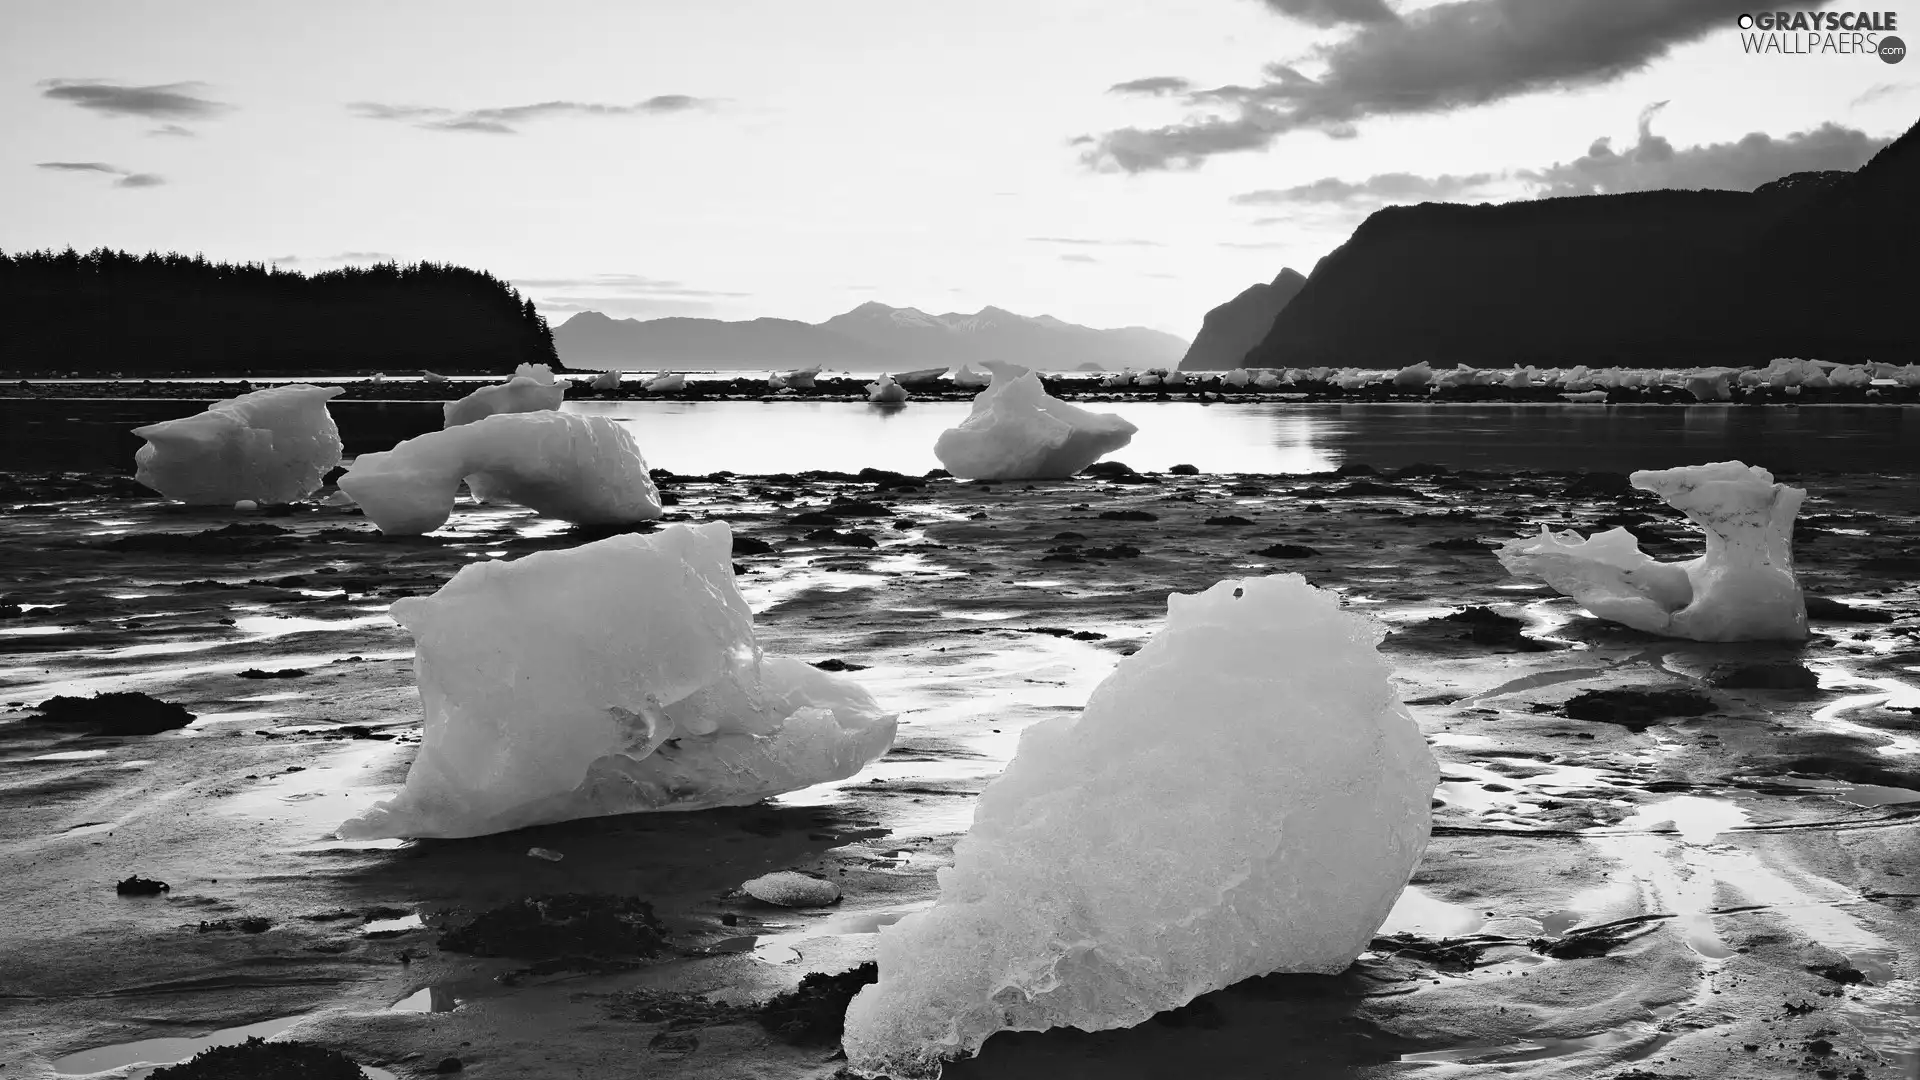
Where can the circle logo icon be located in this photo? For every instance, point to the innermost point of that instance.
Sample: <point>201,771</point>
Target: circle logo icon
<point>1892,50</point>
<point>1745,22</point>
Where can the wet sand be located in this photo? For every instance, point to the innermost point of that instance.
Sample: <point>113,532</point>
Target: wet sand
<point>1768,847</point>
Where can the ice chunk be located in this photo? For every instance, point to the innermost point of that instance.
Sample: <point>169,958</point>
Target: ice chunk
<point>585,469</point>
<point>1237,377</point>
<point>610,678</point>
<point>801,378</point>
<point>964,376</point>
<point>789,888</point>
<point>270,446</point>
<point>540,373</point>
<point>522,393</point>
<point>1017,432</point>
<point>1244,795</point>
<point>1413,376</point>
<point>884,391</point>
<point>433,376</point>
<point>1742,589</point>
<point>666,384</point>
<point>606,380</point>
<point>1586,396</point>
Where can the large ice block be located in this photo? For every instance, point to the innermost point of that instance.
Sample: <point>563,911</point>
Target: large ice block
<point>610,678</point>
<point>1742,589</point>
<point>585,469</point>
<point>522,393</point>
<point>270,446</point>
<point>1016,431</point>
<point>1244,795</point>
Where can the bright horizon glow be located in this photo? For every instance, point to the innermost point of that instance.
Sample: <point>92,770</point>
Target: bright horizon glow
<point>900,153</point>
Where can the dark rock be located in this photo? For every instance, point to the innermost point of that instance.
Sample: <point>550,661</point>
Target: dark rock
<point>1107,470</point>
<point>125,712</point>
<point>844,539</point>
<point>1117,551</point>
<point>1356,468</point>
<point>246,924</point>
<point>747,545</point>
<point>814,1013</point>
<point>1784,676</point>
<point>257,1059</point>
<point>1485,626</point>
<point>1128,515</point>
<point>139,886</point>
<point>1636,708</point>
<point>1286,551</point>
<point>1821,609</point>
<point>837,664</point>
<point>1459,543</point>
<point>282,673</point>
<point>1225,520</point>
<point>449,1065</point>
<point>239,538</point>
<point>590,925</point>
<point>1184,470</point>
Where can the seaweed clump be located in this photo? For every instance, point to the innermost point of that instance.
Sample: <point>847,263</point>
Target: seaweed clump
<point>124,712</point>
<point>258,1059</point>
<point>815,1012</point>
<point>1636,708</point>
<point>571,931</point>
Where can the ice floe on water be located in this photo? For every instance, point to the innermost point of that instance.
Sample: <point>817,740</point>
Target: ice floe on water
<point>1245,795</point>
<point>618,676</point>
<point>269,446</point>
<point>532,389</point>
<point>1016,431</point>
<point>1742,589</point>
<point>583,469</point>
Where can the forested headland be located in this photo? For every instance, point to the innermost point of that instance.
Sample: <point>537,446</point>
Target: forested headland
<point>135,316</point>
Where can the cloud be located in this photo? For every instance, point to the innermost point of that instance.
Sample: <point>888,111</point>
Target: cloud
<point>1333,12</point>
<point>631,285</point>
<point>1379,188</point>
<point>1153,85</point>
<point>624,306</point>
<point>1448,56</point>
<point>174,130</point>
<point>1086,242</point>
<point>164,101</point>
<point>1653,163</point>
<point>127,179</point>
<point>1077,257</point>
<point>1256,245</point>
<point>506,120</point>
<point>80,166</point>
<point>1881,91</point>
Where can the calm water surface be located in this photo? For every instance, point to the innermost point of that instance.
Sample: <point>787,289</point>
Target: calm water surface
<point>760,437</point>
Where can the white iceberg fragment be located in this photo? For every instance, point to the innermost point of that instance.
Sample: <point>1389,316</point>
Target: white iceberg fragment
<point>540,373</point>
<point>1742,589</point>
<point>270,446</point>
<point>522,393</point>
<point>964,376</point>
<point>610,678</point>
<point>1016,431</point>
<point>790,888</point>
<point>1244,795</point>
<point>666,384</point>
<point>583,469</point>
<point>885,391</point>
<point>606,380</point>
<point>801,378</point>
<point>433,376</point>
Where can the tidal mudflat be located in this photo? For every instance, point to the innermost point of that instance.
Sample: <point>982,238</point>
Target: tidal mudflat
<point>1650,857</point>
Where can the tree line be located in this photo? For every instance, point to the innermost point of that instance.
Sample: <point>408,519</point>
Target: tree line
<point>115,312</point>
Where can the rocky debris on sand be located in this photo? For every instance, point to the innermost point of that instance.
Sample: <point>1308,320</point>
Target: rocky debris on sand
<point>1821,609</point>
<point>1484,626</point>
<point>258,1059</point>
<point>814,1013</point>
<point>790,888</point>
<point>280,673</point>
<point>834,663</point>
<point>570,925</point>
<point>1286,551</point>
<point>246,924</point>
<point>139,886</point>
<point>1637,708</point>
<point>122,712</point>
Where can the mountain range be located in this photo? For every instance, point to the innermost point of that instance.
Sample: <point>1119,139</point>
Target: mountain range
<point>1235,327</point>
<point>871,337</point>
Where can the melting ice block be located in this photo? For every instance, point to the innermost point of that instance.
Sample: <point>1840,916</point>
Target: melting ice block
<point>1244,795</point>
<point>1742,589</point>
<point>584,469</point>
<point>610,678</point>
<point>522,393</point>
<point>1017,432</point>
<point>270,446</point>
<point>886,391</point>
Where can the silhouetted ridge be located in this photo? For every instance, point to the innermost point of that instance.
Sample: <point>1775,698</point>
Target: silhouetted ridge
<point>112,311</point>
<point>1818,265</point>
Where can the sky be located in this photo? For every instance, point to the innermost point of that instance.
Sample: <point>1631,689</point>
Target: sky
<point>1107,162</point>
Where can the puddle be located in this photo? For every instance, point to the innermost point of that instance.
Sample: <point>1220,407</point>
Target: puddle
<point>1640,1043</point>
<point>447,996</point>
<point>1889,693</point>
<point>783,947</point>
<point>145,1055</point>
<point>1857,794</point>
<point>71,755</point>
<point>1420,912</point>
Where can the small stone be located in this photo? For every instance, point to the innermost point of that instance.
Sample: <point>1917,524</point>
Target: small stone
<point>545,853</point>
